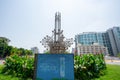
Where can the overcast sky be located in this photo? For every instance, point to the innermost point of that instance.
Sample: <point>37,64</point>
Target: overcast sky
<point>27,22</point>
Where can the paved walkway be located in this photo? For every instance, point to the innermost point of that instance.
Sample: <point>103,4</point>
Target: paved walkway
<point>112,60</point>
<point>116,62</point>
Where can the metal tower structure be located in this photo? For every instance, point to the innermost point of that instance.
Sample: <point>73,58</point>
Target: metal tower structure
<point>56,43</point>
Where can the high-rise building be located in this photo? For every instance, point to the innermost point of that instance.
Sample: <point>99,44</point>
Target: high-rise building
<point>106,43</point>
<point>114,38</point>
<point>89,38</point>
<point>109,39</point>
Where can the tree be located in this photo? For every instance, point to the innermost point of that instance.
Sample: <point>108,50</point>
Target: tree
<point>14,50</point>
<point>4,46</point>
<point>21,51</point>
<point>4,40</point>
<point>28,52</point>
<point>6,50</point>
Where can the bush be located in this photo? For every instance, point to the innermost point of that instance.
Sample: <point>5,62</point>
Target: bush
<point>20,66</point>
<point>89,66</point>
<point>86,66</point>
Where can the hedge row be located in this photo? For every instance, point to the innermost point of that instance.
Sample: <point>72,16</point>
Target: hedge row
<point>89,66</point>
<point>20,66</point>
<point>86,67</point>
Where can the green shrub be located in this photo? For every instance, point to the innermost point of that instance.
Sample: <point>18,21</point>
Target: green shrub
<point>89,66</point>
<point>86,66</point>
<point>20,66</point>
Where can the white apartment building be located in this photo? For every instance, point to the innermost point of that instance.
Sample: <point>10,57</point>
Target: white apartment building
<point>95,49</point>
<point>34,50</point>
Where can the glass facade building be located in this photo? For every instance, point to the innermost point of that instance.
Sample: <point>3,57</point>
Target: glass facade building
<point>89,38</point>
<point>109,39</point>
<point>114,38</point>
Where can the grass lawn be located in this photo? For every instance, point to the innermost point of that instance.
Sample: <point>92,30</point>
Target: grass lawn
<point>113,73</point>
<point>9,77</point>
<point>6,77</point>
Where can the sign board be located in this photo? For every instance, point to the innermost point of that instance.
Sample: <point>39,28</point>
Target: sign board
<point>54,67</point>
